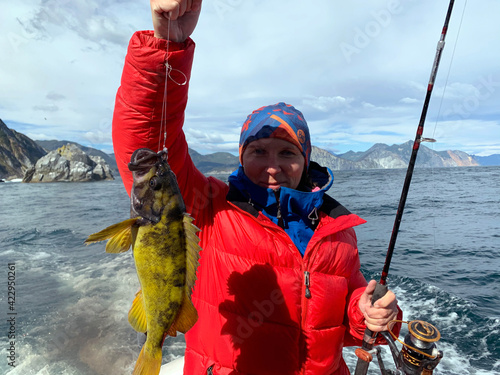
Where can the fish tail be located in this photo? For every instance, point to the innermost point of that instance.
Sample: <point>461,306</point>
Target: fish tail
<point>149,362</point>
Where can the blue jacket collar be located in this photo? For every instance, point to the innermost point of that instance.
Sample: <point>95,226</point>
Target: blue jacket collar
<point>291,201</point>
<point>296,211</point>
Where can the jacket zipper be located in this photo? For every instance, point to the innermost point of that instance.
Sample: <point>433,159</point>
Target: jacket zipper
<point>305,297</point>
<point>307,283</point>
<point>307,288</point>
<point>281,222</point>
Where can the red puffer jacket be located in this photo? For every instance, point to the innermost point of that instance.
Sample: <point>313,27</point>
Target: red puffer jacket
<point>263,309</point>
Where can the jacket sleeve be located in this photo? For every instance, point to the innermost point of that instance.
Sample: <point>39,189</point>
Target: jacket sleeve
<point>356,321</point>
<point>141,109</point>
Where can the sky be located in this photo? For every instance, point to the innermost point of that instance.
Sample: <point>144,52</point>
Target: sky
<point>358,70</point>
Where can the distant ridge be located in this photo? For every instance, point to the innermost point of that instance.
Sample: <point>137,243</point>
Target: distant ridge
<point>382,156</point>
<point>18,153</point>
<point>491,160</point>
<point>218,164</point>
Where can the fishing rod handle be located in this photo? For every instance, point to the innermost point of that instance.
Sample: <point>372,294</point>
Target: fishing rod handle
<point>370,336</point>
<point>381,290</point>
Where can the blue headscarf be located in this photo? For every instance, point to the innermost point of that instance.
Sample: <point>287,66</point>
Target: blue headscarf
<point>281,121</point>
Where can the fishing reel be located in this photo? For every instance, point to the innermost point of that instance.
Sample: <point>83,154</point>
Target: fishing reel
<point>419,354</point>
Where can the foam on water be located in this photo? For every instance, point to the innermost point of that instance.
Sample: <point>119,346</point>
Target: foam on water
<point>87,332</point>
<point>73,300</point>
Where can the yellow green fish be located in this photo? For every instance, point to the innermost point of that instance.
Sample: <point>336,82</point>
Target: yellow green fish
<point>165,247</point>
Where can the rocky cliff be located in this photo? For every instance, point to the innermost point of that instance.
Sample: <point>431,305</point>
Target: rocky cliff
<point>55,144</point>
<point>17,153</point>
<point>462,159</point>
<point>69,164</point>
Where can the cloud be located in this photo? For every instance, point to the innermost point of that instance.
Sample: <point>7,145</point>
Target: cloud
<point>326,104</point>
<point>55,96</point>
<point>39,136</point>
<point>46,108</point>
<point>65,60</point>
<point>98,137</point>
<point>202,136</point>
<point>409,101</point>
<point>91,20</point>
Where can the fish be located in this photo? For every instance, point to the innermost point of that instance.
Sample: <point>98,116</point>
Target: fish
<point>166,253</point>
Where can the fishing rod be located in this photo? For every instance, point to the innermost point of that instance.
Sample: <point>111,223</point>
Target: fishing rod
<point>419,354</point>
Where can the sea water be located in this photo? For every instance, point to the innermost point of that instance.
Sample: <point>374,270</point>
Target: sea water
<point>69,315</point>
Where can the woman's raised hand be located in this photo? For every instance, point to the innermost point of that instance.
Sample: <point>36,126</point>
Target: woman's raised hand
<point>182,14</point>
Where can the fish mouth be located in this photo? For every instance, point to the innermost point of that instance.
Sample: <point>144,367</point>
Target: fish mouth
<point>143,159</point>
<point>151,173</point>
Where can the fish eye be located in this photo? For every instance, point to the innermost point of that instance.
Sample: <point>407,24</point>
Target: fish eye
<point>155,183</point>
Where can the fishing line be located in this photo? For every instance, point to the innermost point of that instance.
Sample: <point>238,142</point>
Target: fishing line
<point>449,70</point>
<point>433,179</point>
<point>163,120</point>
<point>168,75</point>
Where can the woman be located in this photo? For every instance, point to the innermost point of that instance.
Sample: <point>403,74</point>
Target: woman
<point>279,289</point>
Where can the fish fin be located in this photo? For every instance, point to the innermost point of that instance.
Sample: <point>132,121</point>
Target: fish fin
<point>119,236</point>
<point>137,313</point>
<point>186,318</point>
<point>148,363</point>
<point>193,251</point>
<point>121,242</point>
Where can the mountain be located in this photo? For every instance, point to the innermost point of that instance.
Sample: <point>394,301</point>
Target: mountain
<point>397,156</point>
<point>17,153</point>
<point>327,159</point>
